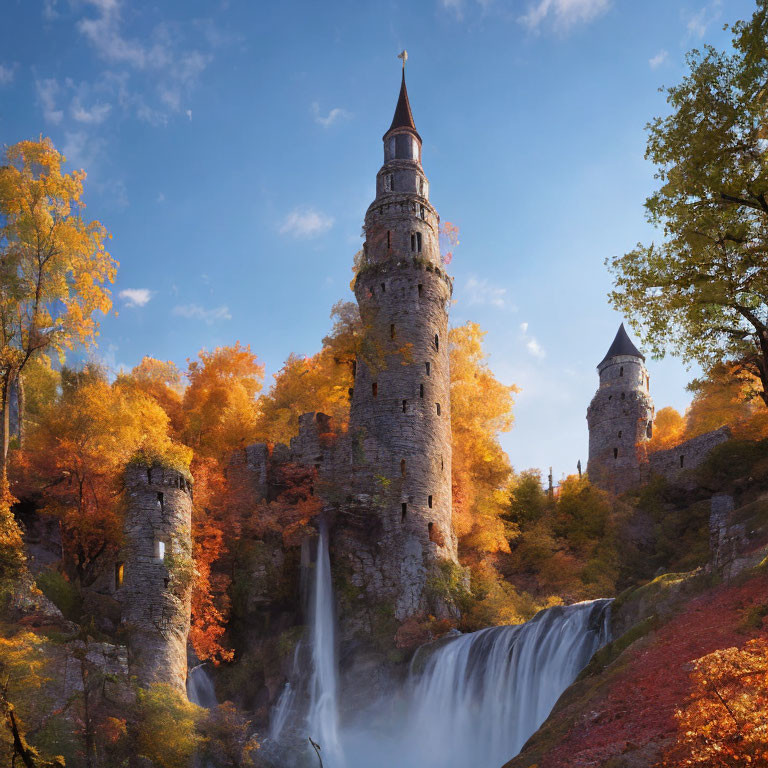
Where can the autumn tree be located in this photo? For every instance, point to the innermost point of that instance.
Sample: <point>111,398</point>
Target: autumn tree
<point>54,267</point>
<point>723,724</point>
<point>668,430</point>
<point>703,291</point>
<point>317,383</point>
<point>481,408</point>
<point>77,453</point>
<point>162,381</point>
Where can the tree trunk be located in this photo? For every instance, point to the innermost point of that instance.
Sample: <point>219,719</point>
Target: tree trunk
<point>21,408</point>
<point>5,422</point>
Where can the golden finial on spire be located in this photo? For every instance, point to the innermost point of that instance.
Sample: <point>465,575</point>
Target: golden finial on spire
<point>404,56</point>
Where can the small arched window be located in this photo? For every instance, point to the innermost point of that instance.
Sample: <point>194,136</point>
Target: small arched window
<point>119,574</point>
<point>421,390</point>
<point>438,408</point>
<point>682,461</point>
<point>429,501</point>
<point>621,371</point>
<point>421,290</point>
<point>623,396</point>
<point>402,467</point>
<point>403,512</point>
<point>392,331</point>
<point>615,453</point>
<point>375,389</point>
<point>426,365</point>
<point>619,433</point>
<point>405,406</point>
<point>437,342</point>
<point>383,288</point>
<point>389,239</point>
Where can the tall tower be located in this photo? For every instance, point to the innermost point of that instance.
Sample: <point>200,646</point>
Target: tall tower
<point>620,417</point>
<point>400,420</point>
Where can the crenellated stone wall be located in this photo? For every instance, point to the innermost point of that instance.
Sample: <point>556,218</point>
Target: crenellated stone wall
<point>154,573</point>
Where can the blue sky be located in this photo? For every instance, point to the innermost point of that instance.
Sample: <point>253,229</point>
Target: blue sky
<point>232,147</point>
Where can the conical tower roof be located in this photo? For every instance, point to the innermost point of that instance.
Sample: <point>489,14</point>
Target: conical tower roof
<point>403,116</point>
<point>622,345</point>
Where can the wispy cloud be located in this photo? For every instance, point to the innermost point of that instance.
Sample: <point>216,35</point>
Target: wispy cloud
<point>47,94</point>
<point>196,312</point>
<point>7,73</point>
<point>163,56</point>
<point>135,297</point>
<point>305,222</point>
<point>94,115</point>
<point>656,61</point>
<point>456,7</point>
<point>563,14</point>
<point>531,343</point>
<point>336,114</point>
<point>482,292</point>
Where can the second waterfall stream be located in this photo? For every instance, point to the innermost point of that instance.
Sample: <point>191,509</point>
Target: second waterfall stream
<point>473,701</point>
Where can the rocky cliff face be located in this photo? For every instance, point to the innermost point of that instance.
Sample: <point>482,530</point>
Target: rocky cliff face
<point>621,711</point>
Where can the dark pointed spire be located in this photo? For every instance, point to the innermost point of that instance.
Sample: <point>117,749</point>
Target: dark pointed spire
<point>622,345</point>
<point>403,116</point>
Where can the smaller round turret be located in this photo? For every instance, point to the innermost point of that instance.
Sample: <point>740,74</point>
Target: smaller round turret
<point>154,576</point>
<point>620,417</point>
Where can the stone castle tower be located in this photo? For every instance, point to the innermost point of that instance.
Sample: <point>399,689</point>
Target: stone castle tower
<point>620,417</point>
<point>154,576</point>
<point>400,420</point>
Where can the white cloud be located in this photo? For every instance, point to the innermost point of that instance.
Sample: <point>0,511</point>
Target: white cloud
<point>563,14</point>
<point>162,56</point>
<point>656,61</point>
<point>337,113</point>
<point>7,73</point>
<point>482,292</point>
<point>456,7</point>
<point>80,149</point>
<point>47,93</point>
<point>531,343</point>
<point>135,297</point>
<point>698,23</point>
<point>196,312</point>
<point>94,116</point>
<point>305,222</point>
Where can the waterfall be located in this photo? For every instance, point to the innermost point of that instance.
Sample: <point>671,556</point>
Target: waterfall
<point>476,699</point>
<point>200,688</point>
<point>323,717</point>
<point>469,700</point>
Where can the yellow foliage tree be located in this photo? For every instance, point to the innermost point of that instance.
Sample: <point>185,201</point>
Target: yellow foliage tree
<point>317,383</point>
<point>54,267</point>
<point>220,407</point>
<point>668,430</point>
<point>481,408</point>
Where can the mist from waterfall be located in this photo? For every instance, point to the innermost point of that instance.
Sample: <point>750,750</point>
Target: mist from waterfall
<point>200,688</point>
<point>469,700</point>
<point>477,698</point>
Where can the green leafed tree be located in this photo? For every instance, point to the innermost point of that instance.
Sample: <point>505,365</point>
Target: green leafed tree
<point>702,292</point>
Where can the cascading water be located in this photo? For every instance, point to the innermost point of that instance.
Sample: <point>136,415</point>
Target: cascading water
<point>474,699</point>
<point>477,698</point>
<point>200,688</point>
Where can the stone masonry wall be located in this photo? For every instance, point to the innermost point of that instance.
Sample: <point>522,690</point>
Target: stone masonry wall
<point>157,573</point>
<point>674,462</point>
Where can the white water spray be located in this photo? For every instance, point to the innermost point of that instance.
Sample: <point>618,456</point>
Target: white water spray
<point>200,688</point>
<point>476,700</point>
<point>323,717</point>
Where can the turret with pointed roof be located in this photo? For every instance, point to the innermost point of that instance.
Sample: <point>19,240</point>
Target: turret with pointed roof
<point>620,417</point>
<point>400,416</point>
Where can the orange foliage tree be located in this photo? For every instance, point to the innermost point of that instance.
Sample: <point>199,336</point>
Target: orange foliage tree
<point>668,430</point>
<point>220,413</point>
<point>724,724</point>
<point>76,454</point>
